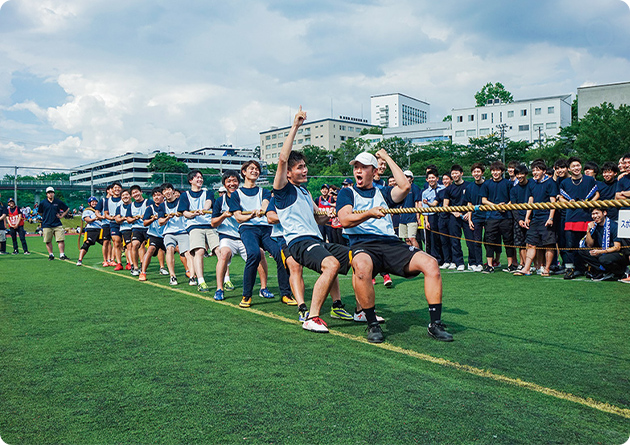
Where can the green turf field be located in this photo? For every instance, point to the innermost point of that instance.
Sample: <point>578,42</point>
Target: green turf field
<point>92,356</point>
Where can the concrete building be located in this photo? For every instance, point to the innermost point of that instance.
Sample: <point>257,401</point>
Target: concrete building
<point>525,120</point>
<point>328,134</point>
<point>593,96</point>
<point>397,110</point>
<point>421,134</point>
<point>132,168</point>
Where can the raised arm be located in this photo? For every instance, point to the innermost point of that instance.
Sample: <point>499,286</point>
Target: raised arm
<point>281,173</point>
<point>402,184</point>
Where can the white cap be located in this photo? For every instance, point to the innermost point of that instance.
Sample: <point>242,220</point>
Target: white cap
<point>365,158</point>
<point>408,173</point>
<point>222,189</point>
<point>50,189</point>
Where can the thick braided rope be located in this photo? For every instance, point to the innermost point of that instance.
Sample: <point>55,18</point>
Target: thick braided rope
<point>506,207</point>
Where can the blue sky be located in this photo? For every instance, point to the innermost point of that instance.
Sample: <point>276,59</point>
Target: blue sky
<point>81,81</point>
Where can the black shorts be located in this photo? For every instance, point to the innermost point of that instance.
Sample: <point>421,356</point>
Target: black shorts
<point>114,229</point>
<point>107,234</point>
<point>92,236</point>
<point>520,234</point>
<point>540,235</point>
<point>126,236</point>
<point>139,235</point>
<point>157,242</point>
<point>311,252</point>
<point>391,257</point>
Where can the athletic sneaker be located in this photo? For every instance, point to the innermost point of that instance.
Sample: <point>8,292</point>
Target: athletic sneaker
<point>128,266</point>
<point>228,285</point>
<point>15,252</point>
<point>218,295</point>
<point>173,281</point>
<point>606,277</point>
<point>478,268</point>
<point>105,264</point>
<point>112,263</point>
<point>192,281</point>
<point>142,276</point>
<point>375,333</point>
<point>79,263</point>
<point>203,287</point>
<point>511,268</point>
<point>302,315</point>
<point>445,266</point>
<point>164,271</point>
<point>246,302</point>
<point>27,253</point>
<point>437,331</point>
<point>460,267</point>
<point>625,279</point>
<point>119,267</point>
<point>265,293</point>
<point>51,257</point>
<point>452,266</point>
<point>387,280</point>
<point>569,274</point>
<point>315,324</point>
<point>359,317</point>
<point>64,257</point>
<point>135,272</point>
<point>488,269</point>
<point>289,300</point>
<point>340,313</point>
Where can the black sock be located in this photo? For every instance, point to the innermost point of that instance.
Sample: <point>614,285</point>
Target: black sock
<point>370,315</point>
<point>338,304</point>
<point>3,247</point>
<point>302,307</point>
<point>435,312</point>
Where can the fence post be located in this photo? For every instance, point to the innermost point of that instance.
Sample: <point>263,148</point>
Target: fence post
<point>15,186</point>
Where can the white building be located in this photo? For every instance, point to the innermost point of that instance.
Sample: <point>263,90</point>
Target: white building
<point>525,120</point>
<point>132,168</point>
<point>328,134</point>
<point>593,96</point>
<point>398,110</point>
<point>421,134</point>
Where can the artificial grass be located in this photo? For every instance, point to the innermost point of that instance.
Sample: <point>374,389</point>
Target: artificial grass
<point>93,358</point>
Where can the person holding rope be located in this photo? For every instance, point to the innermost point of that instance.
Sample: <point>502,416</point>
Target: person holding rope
<point>93,228</point>
<point>377,249</point>
<point>124,226</point>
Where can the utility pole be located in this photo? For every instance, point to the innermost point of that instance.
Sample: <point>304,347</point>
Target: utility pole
<point>539,136</point>
<point>15,186</point>
<point>502,128</point>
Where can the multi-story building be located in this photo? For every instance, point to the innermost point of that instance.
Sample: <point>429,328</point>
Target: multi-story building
<point>132,168</point>
<point>525,120</point>
<point>328,134</point>
<point>421,134</point>
<point>593,96</point>
<point>398,110</point>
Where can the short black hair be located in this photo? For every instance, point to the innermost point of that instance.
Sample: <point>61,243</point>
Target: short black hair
<point>167,185</point>
<point>194,172</point>
<point>230,174</point>
<point>478,165</point>
<point>294,158</point>
<point>497,165</point>
<point>512,164</point>
<point>610,166</point>
<point>626,156</point>
<point>432,171</point>
<point>521,169</point>
<point>156,190</point>
<point>540,164</point>
<point>116,183</point>
<point>592,166</point>
<point>573,159</point>
<point>561,163</point>
<point>457,167</point>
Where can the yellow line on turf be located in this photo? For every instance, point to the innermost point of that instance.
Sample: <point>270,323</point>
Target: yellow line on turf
<point>591,403</point>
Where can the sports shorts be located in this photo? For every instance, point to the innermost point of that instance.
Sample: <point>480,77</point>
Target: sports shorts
<point>409,230</point>
<point>236,246</point>
<point>520,233</point>
<point>199,238</point>
<point>139,235</point>
<point>126,236</point>
<point>157,242</point>
<point>58,232</point>
<point>107,234</point>
<point>91,237</point>
<point>114,229</point>
<point>181,239</point>
<point>540,235</point>
<point>391,257</point>
<point>311,252</point>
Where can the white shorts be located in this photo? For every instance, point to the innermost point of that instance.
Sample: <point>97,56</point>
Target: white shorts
<point>409,230</point>
<point>236,247</point>
<point>199,238</point>
<point>182,240</point>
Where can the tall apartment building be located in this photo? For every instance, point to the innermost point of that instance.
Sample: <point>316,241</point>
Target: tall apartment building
<point>398,110</point>
<point>328,134</point>
<point>525,120</point>
<point>593,96</point>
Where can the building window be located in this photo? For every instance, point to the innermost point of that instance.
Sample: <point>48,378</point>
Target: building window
<point>471,132</point>
<point>538,127</point>
<point>342,127</point>
<point>274,145</point>
<point>267,147</point>
<point>523,128</point>
<point>343,138</point>
<point>274,136</point>
<point>471,118</point>
<point>459,134</point>
<point>523,112</point>
<point>484,131</point>
<point>551,125</point>
<point>300,131</point>
<point>286,133</point>
<point>510,114</point>
<point>537,111</point>
<point>460,118</point>
<point>268,137</point>
<point>300,141</point>
<point>484,116</point>
<point>551,110</point>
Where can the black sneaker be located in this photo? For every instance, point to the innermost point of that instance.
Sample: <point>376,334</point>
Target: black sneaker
<point>375,333</point>
<point>51,257</point>
<point>437,331</point>
<point>511,268</point>
<point>487,269</point>
<point>606,277</point>
<point>569,274</point>
<point>15,252</point>
<point>63,257</point>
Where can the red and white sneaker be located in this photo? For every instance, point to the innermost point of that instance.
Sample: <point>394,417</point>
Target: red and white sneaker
<point>142,276</point>
<point>128,266</point>
<point>106,264</point>
<point>119,267</point>
<point>360,318</point>
<point>315,324</point>
<point>387,280</point>
<point>112,263</point>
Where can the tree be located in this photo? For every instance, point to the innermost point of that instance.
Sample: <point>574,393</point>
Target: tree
<point>448,118</point>
<point>371,130</point>
<point>492,91</point>
<point>164,163</point>
<point>399,149</point>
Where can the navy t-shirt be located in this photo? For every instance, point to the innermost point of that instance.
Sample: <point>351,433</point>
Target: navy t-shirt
<point>598,236</point>
<point>607,191</point>
<point>49,211</point>
<point>497,193</point>
<point>623,185</point>
<point>518,195</point>
<point>541,192</point>
<point>581,190</point>
<point>439,197</point>
<point>455,194</point>
<point>472,194</point>
<point>414,195</point>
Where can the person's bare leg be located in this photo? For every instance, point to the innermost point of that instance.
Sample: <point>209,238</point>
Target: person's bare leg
<point>223,258</point>
<point>296,280</point>
<point>422,262</point>
<point>321,289</point>
<point>263,270</point>
<point>362,280</point>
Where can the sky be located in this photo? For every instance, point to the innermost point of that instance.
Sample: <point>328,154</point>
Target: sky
<point>83,80</point>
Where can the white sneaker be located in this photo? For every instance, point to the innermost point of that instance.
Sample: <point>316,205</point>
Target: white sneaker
<point>173,281</point>
<point>452,266</point>
<point>445,266</point>
<point>79,263</point>
<point>135,272</point>
<point>164,271</point>
<point>315,324</point>
<point>360,318</point>
<point>479,268</point>
<point>460,267</point>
